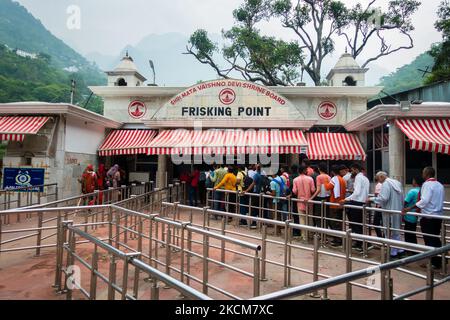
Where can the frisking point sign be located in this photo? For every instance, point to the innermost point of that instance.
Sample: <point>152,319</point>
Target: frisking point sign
<point>226,99</point>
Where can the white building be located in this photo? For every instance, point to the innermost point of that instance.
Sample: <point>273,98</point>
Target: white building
<point>146,128</point>
<point>60,138</point>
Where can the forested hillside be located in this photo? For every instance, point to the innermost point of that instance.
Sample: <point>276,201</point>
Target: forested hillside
<point>48,77</point>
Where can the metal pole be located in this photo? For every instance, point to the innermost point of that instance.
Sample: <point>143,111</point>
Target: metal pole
<point>188,257</point>
<point>430,281</point>
<point>256,275</point>
<point>168,252</point>
<point>124,279</point>
<point>286,266</point>
<point>316,294</point>
<point>443,242</point>
<point>263,252</point>
<point>94,268</point>
<point>365,231</point>
<point>348,255</point>
<point>39,234</point>
<point>112,277</point>
<point>154,292</point>
<point>70,262</point>
<point>222,242</point>
<point>383,273</point>
<point>205,263</point>
<point>59,251</point>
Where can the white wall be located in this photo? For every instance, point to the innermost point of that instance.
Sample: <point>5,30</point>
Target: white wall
<point>82,137</point>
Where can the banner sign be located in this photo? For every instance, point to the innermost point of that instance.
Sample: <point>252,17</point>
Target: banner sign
<point>233,99</point>
<point>17,178</point>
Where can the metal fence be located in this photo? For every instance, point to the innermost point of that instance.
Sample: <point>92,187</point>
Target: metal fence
<point>383,270</point>
<point>28,196</point>
<point>318,213</point>
<point>34,228</point>
<point>347,256</point>
<point>165,243</point>
<point>153,230</point>
<point>115,256</point>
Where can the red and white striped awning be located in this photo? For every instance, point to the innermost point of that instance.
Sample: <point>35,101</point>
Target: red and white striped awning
<point>335,146</point>
<point>127,142</point>
<point>228,141</point>
<point>431,135</point>
<point>15,128</point>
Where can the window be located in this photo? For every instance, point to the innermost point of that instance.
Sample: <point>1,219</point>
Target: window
<point>378,151</point>
<point>121,82</point>
<point>378,138</point>
<point>443,168</point>
<point>370,140</point>
<point>415,161</point>
<point>349,81</point>
<point>386,136</point>
<point>370,166</point>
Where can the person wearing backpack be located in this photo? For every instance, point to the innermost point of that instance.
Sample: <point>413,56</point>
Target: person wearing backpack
<point>245,184</point>
<point>278,189</point>
<point>303,188</point>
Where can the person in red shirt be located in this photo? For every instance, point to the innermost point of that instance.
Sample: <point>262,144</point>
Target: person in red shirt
<point>101,181</point>
<point>89,183</point>
<point>193,187</point>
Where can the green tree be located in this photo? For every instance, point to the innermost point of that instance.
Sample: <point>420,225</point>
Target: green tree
<point>316,24</point>
<point>441,51</point>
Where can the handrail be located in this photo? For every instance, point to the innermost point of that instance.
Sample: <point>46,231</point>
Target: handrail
<point>442,217</point>
<point>180,225</point>
<point>355,275</point>
<point>172,282</point>
<point>331,232</point>
<point>88,195</point>
<point>152,272</point>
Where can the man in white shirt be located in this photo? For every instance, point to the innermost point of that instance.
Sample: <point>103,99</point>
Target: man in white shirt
<point>431,202</point>
<point>358,198</point>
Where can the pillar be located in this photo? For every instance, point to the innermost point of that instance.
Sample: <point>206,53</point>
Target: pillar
<point>161,173</point>
<point>396,153</point>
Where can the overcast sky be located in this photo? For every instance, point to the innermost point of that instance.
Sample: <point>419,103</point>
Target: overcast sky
<point>107,26</point>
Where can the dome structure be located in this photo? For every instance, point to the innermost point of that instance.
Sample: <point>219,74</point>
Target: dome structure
<point>126,64</point>
<point>346,61</point>
<point>125,74</point>
<point>347,72</point>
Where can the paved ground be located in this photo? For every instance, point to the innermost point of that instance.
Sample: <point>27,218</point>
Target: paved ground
<point>26,276</point>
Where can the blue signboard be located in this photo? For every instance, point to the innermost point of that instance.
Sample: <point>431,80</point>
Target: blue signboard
<point>17,178</point>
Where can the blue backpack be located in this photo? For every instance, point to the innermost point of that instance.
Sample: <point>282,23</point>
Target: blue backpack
<point>284,190</point>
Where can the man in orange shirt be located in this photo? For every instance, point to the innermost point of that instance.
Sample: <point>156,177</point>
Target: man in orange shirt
<point>321,194</point>
<point>303,188</point>
<point>338,187</point>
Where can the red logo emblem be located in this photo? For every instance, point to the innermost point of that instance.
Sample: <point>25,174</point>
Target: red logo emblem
<point>327,110</point>
<point>137,109</point>
<point>227,96</point>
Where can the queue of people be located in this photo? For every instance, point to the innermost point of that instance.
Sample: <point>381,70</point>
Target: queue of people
<point>343,186</point>
<point>100,180</point>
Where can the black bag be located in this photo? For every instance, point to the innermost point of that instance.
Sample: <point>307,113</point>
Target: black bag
<point>265,184</point>
<point>247,181</point>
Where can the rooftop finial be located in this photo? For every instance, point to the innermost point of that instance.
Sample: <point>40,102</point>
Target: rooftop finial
<point>346,49</point>
<point>127,54</point>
